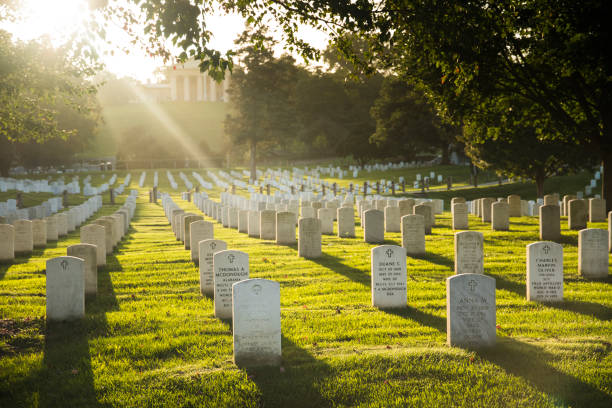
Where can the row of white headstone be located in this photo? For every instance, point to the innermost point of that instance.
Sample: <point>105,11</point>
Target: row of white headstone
<point>70,278</point>
<point>252,304</point>
<point>22,236</point>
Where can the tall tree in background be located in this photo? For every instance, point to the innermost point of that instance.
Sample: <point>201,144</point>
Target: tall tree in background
<point>261,93</point>
<point>550,53</point>
<point>517,139</point>
<point>407,123</point>
<point>39,85</point>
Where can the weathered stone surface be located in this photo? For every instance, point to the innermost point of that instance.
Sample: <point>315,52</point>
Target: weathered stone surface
<point>285,228</point>
<point>545,271</point>
<point>413,234</point>
<point>373,229</point>
<point>485,209</point>
<point>95,235</point>
<point>39,233</point>
<point>308,212</point>
<point>469,256</point>
<point>500,217</point>
<point>550,222</point>
<point>187,221</point>
<point>346,222</point>
<point>470,310</point>
<point>7,243</point>
<point>406,207</point>
<point>65,288</point>
<point>88,253</point>
<point>52,234</point>
<point>24,242</point>
<point>253,224</point>
<point>392,219</point>
<point>388,276</point>
<point>62,224</point>
<point>207,248</point>
<point>199,230</point>
<point>230,266</point>
<point>514,205</point>
<point>593,249</point>
<point>243,221</point>
<point>108,233</point>
<point>267,224</point>
<point>256,324</point>
<point>425,211</point>
<point>309,237</point>
<point>597,210</point>
<point>326,216</point>
<point>459,212</point>
<point>577,215</point>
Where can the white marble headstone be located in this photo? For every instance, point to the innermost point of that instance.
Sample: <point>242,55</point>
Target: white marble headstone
<point>230,266</point>
<point>388,276</point>
<point>470,310</point>
<point>256,323</point>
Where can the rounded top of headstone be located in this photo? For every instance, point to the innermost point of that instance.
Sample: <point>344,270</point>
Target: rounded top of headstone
<point>64,262</point>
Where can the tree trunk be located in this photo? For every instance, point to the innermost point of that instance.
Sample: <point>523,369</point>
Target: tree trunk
<point>253,163</point>
<point>445,154</point>
<point>606,180</point>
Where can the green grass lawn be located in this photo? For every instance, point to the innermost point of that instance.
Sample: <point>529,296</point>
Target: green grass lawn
<point>150,339</point>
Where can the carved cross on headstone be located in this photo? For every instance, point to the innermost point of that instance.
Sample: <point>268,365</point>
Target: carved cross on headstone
<point>64,264</point>
<point>546,249</point>
<point>213,245</point>
<point>389,252</point>
<point>231,258</point>
<point>472,284</point>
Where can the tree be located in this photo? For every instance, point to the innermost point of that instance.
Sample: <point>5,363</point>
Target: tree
<point>262,96</point>
<point>37,80</point>
<point>407,123</point>
<point>514,138</point>
<point>550,53</point>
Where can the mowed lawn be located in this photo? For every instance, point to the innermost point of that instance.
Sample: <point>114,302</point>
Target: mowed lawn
<point>150,339</point>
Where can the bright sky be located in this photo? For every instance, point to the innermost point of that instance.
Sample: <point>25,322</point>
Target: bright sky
<point>59,19</point>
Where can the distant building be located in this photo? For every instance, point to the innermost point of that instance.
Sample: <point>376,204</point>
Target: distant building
<point>185,82</point>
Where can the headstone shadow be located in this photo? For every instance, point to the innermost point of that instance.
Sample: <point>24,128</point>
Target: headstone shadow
<point>436,259</point>
<point>294,384</point>
<point>334,263</point>
<point>422,318</point>
<point>596,310</point>
<point>534,364</point>
<point>66,378</point>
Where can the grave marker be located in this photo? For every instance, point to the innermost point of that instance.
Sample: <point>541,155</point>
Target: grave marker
<point>88,253</point>
<point>207,248</point>
<point>199,230</point>
<point>388,276</point>
<point>309,237</point>
<point>470,310</point>
<point>469,256</point>
<point>545,271</point>
<point>256,324</point>
<point>95,234</point>
<point>230,266</point>
<point>65,288</point>
<point>593,253</point>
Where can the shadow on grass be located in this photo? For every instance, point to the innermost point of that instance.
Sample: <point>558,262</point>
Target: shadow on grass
<point>568,240</point>
<point>526,361</point>
<point>295,385</point>
<point>335,264</point>
<point>534,365</point>
<point>422,318</point>
<point>437,259</point>
<point>67,376</point>
<point>596,310</point>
